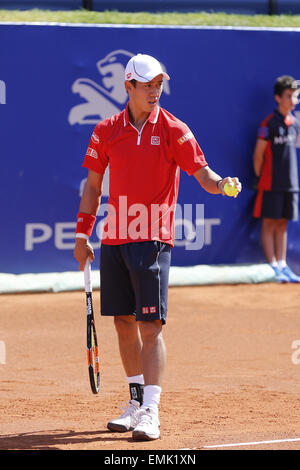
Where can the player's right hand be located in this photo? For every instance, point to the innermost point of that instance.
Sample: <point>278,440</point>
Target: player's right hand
<point>82,251</point>
<point>232,181</point>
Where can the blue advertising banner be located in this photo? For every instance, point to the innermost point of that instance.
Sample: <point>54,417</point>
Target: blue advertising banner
<point>58,81</point>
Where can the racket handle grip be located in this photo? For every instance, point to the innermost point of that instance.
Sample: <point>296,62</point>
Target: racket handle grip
<point>87,276</point>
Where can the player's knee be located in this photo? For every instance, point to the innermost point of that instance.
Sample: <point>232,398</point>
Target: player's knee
<point>124,324</point>
<point>271,225</point>
<point>282,224</point>
<point>151,331</point>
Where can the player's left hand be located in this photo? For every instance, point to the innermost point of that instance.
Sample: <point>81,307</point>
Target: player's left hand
<point>233,186</point>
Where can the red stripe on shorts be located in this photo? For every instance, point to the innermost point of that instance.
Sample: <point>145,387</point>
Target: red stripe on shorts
<point>258,203</point>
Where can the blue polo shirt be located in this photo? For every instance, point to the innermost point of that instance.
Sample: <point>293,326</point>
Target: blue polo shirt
<point>280,166</point>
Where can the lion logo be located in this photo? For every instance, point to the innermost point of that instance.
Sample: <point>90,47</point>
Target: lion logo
<point>102,100</point>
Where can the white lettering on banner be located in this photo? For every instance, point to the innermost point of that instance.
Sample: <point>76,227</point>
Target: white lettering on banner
<point>36,233</point>
<point>191,230</point>
<point>193,237</point>
<point>2,92</point>
<point>196,234</point>
<point>62,233</point>
<point>208,223</point>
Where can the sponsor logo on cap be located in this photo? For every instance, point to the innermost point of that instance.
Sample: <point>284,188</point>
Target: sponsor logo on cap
<point>128,75</point>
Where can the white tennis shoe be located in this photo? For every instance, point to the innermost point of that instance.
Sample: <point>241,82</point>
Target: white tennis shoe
<point>128,420</point>
<point>147,427</point>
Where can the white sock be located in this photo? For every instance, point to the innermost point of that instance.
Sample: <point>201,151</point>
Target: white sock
<point>152,397</point>
<point>281,263</point>
<point>274,264</point>
<point>136,379</point>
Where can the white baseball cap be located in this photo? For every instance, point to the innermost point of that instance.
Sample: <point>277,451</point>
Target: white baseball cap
<point>144,68</point>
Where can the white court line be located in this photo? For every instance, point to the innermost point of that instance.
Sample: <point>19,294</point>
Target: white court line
<point>252,443</point>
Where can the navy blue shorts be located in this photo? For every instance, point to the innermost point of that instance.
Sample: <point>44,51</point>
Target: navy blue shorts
<point>277,205</point>
<point>134,280</point>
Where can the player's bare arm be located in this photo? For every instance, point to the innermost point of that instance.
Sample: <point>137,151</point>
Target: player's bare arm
<point>258,156</point>
<point>91,195</point>
<point>214,183</point>
<point>89,204</point>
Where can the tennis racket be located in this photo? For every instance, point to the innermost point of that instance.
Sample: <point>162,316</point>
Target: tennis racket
<point>92,344</point>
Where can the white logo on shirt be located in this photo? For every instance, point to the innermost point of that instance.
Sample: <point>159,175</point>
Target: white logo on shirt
<point>155,140</point>
<point>95,138</point>
<point>185,137</point>
<point>92,153</point>
<point>283,139</point>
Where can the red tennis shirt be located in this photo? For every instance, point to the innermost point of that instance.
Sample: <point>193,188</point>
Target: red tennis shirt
<point>144,170</point>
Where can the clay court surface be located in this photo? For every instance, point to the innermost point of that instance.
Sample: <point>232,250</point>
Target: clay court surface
<point>230,377</point>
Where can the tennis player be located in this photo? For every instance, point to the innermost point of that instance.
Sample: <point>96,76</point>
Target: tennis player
<point>145,147</point>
